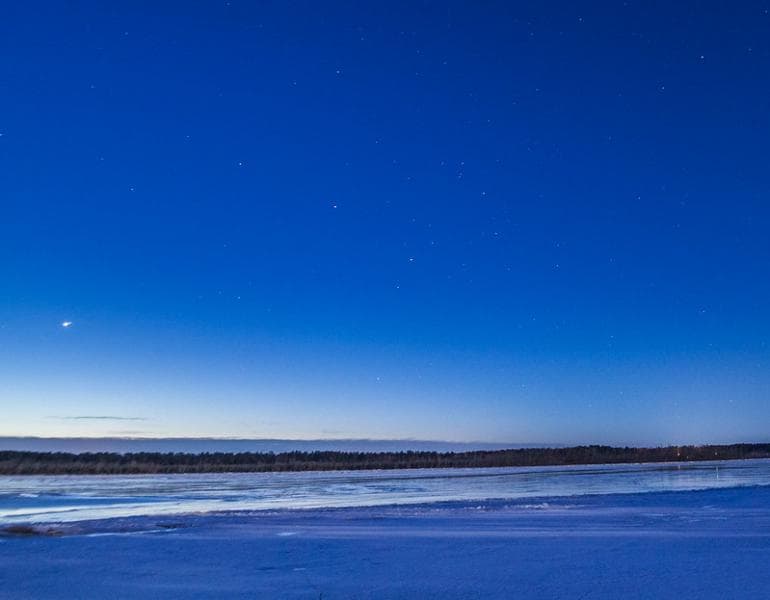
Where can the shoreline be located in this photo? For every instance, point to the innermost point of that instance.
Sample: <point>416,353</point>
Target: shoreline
<point>144,523</point>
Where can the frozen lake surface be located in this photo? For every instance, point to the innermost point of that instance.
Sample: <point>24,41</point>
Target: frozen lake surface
<point>632,531</point>
<point>75,498</point>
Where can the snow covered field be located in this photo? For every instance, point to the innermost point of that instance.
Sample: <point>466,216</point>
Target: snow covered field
<point>593,538</point>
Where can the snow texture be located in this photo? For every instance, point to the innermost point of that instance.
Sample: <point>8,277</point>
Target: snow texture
<point>705,543</point>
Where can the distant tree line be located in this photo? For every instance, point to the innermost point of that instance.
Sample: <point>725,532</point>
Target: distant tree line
<point>104,463</point>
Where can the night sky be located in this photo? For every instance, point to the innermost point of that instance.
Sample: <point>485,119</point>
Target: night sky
<point>514,222</point>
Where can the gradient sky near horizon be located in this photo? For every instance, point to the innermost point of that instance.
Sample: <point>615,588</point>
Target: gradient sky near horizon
<point>500,221</point>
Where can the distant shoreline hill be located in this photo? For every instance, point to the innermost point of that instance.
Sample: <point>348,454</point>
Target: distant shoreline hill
<point>112,463</point>
<point>199,445</point>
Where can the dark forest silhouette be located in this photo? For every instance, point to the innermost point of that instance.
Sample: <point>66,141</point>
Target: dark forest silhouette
<point>61,463</point>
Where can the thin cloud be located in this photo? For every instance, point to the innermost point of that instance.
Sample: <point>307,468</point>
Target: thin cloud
<point>97,418</point>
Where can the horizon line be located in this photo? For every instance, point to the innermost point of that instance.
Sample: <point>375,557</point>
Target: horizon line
<point>504,445</point>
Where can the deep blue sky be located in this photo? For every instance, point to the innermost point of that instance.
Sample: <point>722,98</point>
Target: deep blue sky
<point>516,222</point>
